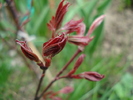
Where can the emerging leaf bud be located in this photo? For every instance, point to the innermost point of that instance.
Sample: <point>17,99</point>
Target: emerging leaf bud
<point>79,40</point>
<point>56,20</point>
<point>54,46</point>
<point>74,26</point>
<point>77,64</point>
<point>96,23</point>
<point>92,76</point>
<point>27,51</point>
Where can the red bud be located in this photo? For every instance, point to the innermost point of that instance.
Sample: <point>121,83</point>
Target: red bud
<point>79,40</point>
<point>27,51</point>
<point>96,23</point>
<point>77,64</point>
<point>74,26</point>
<point>56,20</point>
<point>54,45</point>
<point>92,76</point>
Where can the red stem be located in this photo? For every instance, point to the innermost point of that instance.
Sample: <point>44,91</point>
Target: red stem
<point>66,76</point>
<point>63,69</point>
<point>39,85</point>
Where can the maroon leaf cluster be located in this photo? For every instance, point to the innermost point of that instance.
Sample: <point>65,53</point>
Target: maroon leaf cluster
<point>61,34</point>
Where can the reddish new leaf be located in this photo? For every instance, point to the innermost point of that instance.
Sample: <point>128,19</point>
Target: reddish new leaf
<point>54,45</point>
<point>27,51</point>
<point>56,20</point>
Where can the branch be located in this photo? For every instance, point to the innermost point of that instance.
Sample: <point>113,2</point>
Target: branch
<point>63,69</point>
<point>39,85</point>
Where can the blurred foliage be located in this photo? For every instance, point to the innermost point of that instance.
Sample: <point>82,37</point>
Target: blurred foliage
<point>128,3</point>
<point>124,4</point>
<point>123,89</point>
<point>117,84</point>
<point>5,72</point>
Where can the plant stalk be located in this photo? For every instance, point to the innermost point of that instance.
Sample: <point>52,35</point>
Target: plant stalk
<point>63,69</point>
<point>39,85</point>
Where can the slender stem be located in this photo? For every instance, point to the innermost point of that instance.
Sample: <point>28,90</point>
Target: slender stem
<point>63,69</point>
<point>50,84</point>
<point>66,76</point>
<point>39,85</point>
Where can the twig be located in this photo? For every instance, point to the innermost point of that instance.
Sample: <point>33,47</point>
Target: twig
<point>63,69</point>
<point>39,85</point>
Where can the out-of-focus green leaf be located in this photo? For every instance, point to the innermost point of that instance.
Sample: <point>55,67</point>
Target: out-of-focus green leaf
<point>71,13</point>
<point>122,89</point>
<point>103,6</point>
<point>78,90</point>
<point>39,20</point>
<point>91,92</point>
<point>87,9</point>
<point>5,25</point>
<point>119,91</point>
<point>5,71</point>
